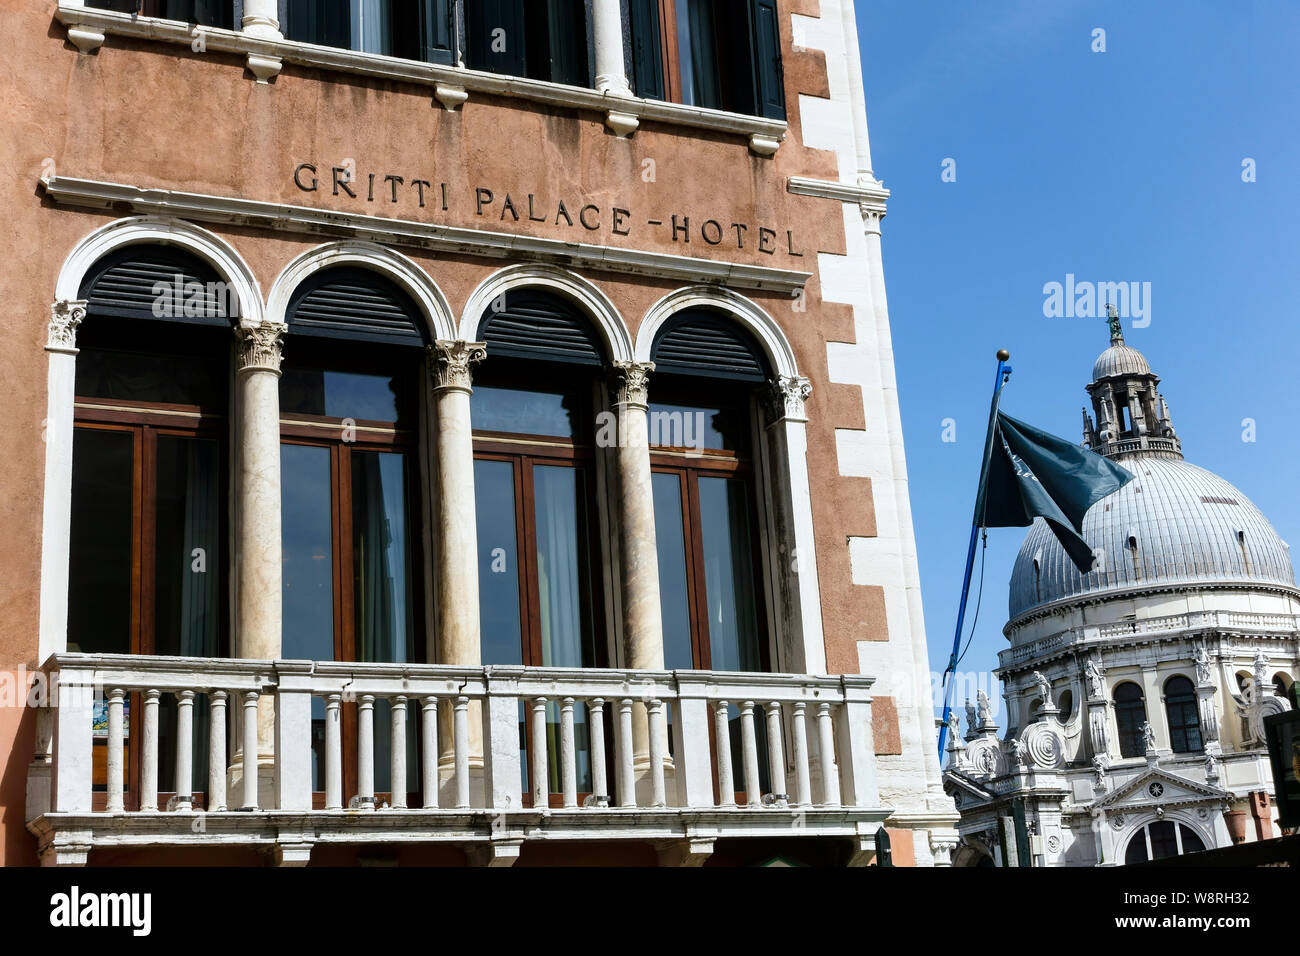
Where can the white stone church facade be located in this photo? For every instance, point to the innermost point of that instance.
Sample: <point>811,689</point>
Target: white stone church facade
<point>1135,693</point>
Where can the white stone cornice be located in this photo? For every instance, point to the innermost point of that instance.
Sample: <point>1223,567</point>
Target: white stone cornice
<point>204,207</point>
<point>451,363</point>
<point>264,54</point>
<point>65,316</point>
<point>260,346</point>
<point>873,195</point>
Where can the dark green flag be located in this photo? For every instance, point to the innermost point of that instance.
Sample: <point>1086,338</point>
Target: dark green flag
<point>1034,474</point>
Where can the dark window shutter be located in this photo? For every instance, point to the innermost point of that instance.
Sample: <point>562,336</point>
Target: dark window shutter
<point>319,21</point>
<point>157,282</point>
<point>539,325</point>
<point>557,51</point>
<point>767,57</point>
<point>647,49</point>
<point>482,17</point>
<point>208,13</point>
<point>436,31</point>
<point>357,304</point>
<point>706,343</point>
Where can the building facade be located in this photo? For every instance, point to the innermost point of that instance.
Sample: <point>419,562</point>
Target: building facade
<point>454,432</point>
<point>1135,693</point>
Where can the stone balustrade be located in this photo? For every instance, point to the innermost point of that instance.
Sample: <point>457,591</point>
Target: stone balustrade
<point>814,733</point>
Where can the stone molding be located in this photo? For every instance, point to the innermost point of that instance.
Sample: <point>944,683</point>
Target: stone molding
<point>265,55</point>
<point>459,240</point>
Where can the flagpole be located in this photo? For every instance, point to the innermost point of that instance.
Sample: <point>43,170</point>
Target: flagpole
<point>1004,373</point>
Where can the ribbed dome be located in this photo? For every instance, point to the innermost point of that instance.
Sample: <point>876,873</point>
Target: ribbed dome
<point>1190,528</point>
<point>1119,359</point>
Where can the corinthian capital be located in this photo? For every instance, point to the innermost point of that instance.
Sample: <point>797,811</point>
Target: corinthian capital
<point>450,362</point>
<point>260,346</point>
<point>789,392</point>
<point>632,380</point>
<point>65,316</point>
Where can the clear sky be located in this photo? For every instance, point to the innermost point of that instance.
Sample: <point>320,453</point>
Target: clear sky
<point>1125,165</point>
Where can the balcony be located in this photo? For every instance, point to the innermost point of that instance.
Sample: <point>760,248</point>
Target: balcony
<point>667,778</point>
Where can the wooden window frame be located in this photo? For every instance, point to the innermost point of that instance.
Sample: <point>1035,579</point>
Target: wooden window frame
<point>320,431</point>
<point>145,422</point>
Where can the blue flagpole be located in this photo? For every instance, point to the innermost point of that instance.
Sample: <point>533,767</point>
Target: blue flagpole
<point>1004,373</point>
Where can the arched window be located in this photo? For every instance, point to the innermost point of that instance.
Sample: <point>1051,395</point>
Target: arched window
<point>349,470</point>
<point>1130,715</point>
<point>1162,839</point>
<point>1286,689</point>
<point>1180,709</point>
<point>1065,703</point>
<point>208,13</point>
<point>704,401</point>
<point>147,548</point>
<point>535,479</point>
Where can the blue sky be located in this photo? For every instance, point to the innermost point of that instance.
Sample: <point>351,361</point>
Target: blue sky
<point>1117,166</point>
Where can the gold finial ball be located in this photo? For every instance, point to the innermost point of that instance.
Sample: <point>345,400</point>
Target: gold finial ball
<point>1003,355</point>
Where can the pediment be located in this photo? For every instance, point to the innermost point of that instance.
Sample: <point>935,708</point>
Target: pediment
<point>1160,788</point>
<point>970,788</point>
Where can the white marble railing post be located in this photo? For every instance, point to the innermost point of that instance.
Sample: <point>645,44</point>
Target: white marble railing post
<point>184,750</point>
<point>397,782</point>
<point>722,736</point>
<point>250,746</point>
<point>333,752</point>
<point>292,782</point>
<point>658,751</point>
<point>217,750</point>
<point>149,753</point>
<point>802,771</point>
<point>599,777</point>
<point>537,756</point>
<point>826,754</point>
<point>568,755</point>
<point>857,749</point>
<point>607,30</point>
<point>749,755</point>
<point>366,752</point>
<point>692,759</point>
<point>116,781</point>
<point>257,520</point>
<point>776,754</point>
<point>623,754</point>
<point>460,734</point>
<point>429,746</point>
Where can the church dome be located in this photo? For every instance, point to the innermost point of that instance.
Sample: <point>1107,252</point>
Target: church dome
<point>1174,525</point>
<point>1119,359</point>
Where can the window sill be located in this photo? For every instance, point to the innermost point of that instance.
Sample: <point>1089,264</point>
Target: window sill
<point>88,28</point>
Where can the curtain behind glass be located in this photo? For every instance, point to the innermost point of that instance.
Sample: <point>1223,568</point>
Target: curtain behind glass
<point>697,53</point>
<point>372,28</point>
<point>187,575</point>
<point>381,590</point>
<point>562,585</point>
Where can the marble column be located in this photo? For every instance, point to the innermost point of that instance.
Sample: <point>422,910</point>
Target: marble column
<point>261,20</point>
<point>257,508</point>
<point>607,27</point>
<point>56,517</point>
<point>455,525</point>
<point>456,528</point>
<point>643,637</point>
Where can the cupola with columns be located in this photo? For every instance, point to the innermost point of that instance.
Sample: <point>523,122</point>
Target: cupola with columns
<point>1132,417</point>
